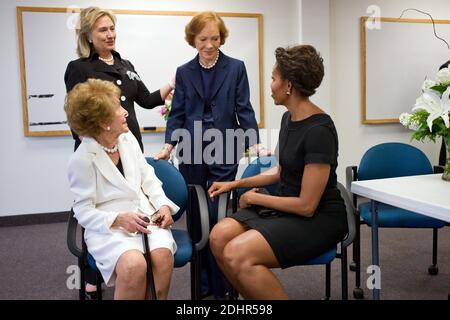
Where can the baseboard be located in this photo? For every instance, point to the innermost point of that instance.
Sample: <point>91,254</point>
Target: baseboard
<point>29,219</point>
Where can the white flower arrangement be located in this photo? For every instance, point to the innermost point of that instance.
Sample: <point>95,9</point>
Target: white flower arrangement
<point>430,115</point>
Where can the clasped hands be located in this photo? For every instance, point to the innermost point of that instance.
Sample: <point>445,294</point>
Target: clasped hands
<point>134,221</point>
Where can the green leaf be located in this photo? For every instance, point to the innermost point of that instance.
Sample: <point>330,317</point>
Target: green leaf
<point>440,88</point>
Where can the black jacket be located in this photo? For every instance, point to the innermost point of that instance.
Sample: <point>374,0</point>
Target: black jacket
<point>122,74</point>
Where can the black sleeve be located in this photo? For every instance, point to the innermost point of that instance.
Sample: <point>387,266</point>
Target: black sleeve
<point>320,146</point>
<point>144,98</point>
<point>73,76</point>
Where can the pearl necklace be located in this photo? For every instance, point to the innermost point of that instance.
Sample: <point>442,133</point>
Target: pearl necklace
<point>211,65</point>
<point>112,150</point>
<point>107,60</point>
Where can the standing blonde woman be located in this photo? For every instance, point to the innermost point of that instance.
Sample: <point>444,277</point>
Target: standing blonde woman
<point>98,59</point>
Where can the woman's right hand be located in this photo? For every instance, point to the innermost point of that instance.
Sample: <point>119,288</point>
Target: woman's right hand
<point>219,187</point>
<point>164,154</point>
<point>132,222</point>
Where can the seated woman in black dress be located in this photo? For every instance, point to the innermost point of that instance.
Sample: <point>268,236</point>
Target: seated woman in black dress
<point>308,214</point>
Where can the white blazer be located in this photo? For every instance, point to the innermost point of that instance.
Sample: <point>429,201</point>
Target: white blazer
<point>102,192</point>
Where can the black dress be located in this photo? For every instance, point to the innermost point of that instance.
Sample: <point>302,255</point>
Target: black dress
<point>124,76</point>
<point>295,239</point>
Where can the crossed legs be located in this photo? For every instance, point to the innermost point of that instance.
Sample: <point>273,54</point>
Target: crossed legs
<point>131,270</point>
<point>245,258</point>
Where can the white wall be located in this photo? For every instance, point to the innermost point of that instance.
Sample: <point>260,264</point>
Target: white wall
<point>316,32</point>
<point>344,69</point>
<point>33,169</point>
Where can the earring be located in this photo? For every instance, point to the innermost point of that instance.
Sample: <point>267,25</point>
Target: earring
<point>108,128</point>
<point>288,93</point>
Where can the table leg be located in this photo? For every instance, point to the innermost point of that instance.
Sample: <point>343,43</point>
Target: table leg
<point>375,253</point>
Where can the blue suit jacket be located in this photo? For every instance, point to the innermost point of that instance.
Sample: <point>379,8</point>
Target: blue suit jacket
<point>230,102</point>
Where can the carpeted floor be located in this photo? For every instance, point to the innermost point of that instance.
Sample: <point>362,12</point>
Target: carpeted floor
<point>34,260</point>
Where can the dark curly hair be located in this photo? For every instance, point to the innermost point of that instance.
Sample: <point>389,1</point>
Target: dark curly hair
<point>302,65</point>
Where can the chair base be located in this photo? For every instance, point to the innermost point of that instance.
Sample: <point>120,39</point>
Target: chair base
<point>433,270</point>
<point>358,293</point>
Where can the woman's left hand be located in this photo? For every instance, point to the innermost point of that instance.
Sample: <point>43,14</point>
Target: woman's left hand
<point>166,217</point>
<point>245,199</point>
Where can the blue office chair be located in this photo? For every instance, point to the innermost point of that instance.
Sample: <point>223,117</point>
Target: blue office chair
<point>389,160</point>
<point>175,188</point>
<point>264,163</point>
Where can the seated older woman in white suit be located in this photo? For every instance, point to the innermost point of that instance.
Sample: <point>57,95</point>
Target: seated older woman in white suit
<point>114,189</point>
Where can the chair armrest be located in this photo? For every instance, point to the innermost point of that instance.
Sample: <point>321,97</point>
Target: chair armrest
<point>350,209</point>
<point>438,169</point>
<point>223,205</point>
<point>350,176</point>
<point>72,236</point>
<point>204,215</point>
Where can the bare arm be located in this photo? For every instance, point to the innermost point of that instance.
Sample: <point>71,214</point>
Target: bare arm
<point>266,178</point>
<point>314,181</point>
<point>167,88</point>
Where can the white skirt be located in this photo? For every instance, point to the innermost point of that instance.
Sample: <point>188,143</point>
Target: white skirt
<point>106,249</point>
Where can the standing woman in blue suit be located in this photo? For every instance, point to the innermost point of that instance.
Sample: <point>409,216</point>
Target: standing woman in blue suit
<point>212,97</point>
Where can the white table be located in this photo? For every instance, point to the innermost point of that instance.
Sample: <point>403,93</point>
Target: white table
<point>426,194</point>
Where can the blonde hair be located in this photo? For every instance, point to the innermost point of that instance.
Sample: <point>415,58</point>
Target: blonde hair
<point>88,18</point>
<point>199,21</point>
<point>89,105</point>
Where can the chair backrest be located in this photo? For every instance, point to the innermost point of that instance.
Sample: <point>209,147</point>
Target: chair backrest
<point>389,160</point>
<point>173,184</point>
<point>256,167</point>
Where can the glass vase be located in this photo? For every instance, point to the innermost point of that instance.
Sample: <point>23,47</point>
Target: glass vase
<point>446,174</point>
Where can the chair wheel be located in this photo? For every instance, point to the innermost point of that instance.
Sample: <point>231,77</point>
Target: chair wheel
<point>433,270</point>
<point>358,293</point>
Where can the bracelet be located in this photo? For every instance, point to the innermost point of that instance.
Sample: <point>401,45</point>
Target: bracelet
<point>166,148</point>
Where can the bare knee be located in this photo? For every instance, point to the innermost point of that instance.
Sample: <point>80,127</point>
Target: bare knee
<point>235,256</point>
<point>162,259</point>
<point>216,238</point>
<point>131,266</point>
<point>221,234</point>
